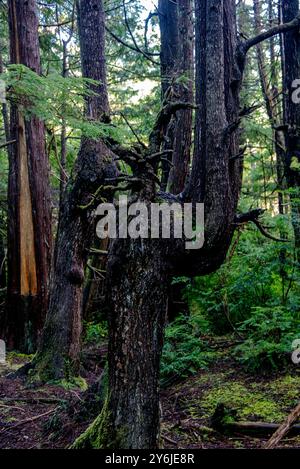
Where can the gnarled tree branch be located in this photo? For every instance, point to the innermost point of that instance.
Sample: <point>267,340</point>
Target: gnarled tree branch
<point>253,216</point>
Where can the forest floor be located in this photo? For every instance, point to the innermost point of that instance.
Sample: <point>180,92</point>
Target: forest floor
<point>51,416</point>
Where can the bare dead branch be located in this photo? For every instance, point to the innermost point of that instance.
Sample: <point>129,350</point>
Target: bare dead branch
<point>253,217</point>
<point>279,29</point>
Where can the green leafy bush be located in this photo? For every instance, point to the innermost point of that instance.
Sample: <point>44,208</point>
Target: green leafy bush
<point>184,352</point>
<point>270,332</point>
<point>95,333</point>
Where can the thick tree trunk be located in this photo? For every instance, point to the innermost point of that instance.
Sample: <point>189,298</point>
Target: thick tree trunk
<point>168,21</point>
<point>58,355</point>
<point>137,323</point>
<point>29,215</point>
<point>292,115</point>
<point>139,271</point>
<point>5,118</point>
<point>137,290</point>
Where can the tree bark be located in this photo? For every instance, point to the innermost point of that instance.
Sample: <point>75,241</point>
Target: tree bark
<point>169,54</point>
<point>141,270</point>
<point>138,271</point>
<point>177,70</point>
<point>291,42</point>
<point>58,355</point>
<point>184,89</point>
<point>29,215</point>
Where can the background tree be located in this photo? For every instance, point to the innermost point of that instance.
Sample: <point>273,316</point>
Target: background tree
<point>176,21</point>
<point>58,355</point>
<point>29,214</point>
<point>291,71</point>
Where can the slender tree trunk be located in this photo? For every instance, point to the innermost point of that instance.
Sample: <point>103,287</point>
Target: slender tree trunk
<point>292,115</point>
<point>95,290</point>
<point>168,21</point>
<point>58,355</point>
<point>177,48</point>
<point>184,89</point>
<point>29,215</point>
<point>4,109</point>
<point>270,86</point>
<point>63,136</point>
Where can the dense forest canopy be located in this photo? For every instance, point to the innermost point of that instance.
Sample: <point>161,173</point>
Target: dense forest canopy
<point>171,102</point>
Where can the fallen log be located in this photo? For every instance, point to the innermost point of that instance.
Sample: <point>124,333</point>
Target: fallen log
<point>257,429</point>
<point>286,428</point>
<point>225,421</point>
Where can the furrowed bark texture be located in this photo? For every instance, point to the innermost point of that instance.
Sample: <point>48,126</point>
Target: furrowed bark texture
<point>177,47</point>
<point>184,89</point>
<point>58,355</point>
<point>138,286</point>
<point>29,214</point>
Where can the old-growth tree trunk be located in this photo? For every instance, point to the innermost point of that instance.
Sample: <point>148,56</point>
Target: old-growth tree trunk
<point>139,271</point>
<point>5,118</point>
<point>291,72</point>
<point>29,214</point>
<point>177,69</point>
<point>58,355</point>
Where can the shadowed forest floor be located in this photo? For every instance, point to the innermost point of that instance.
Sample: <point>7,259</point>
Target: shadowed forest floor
<point>52,416</point>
